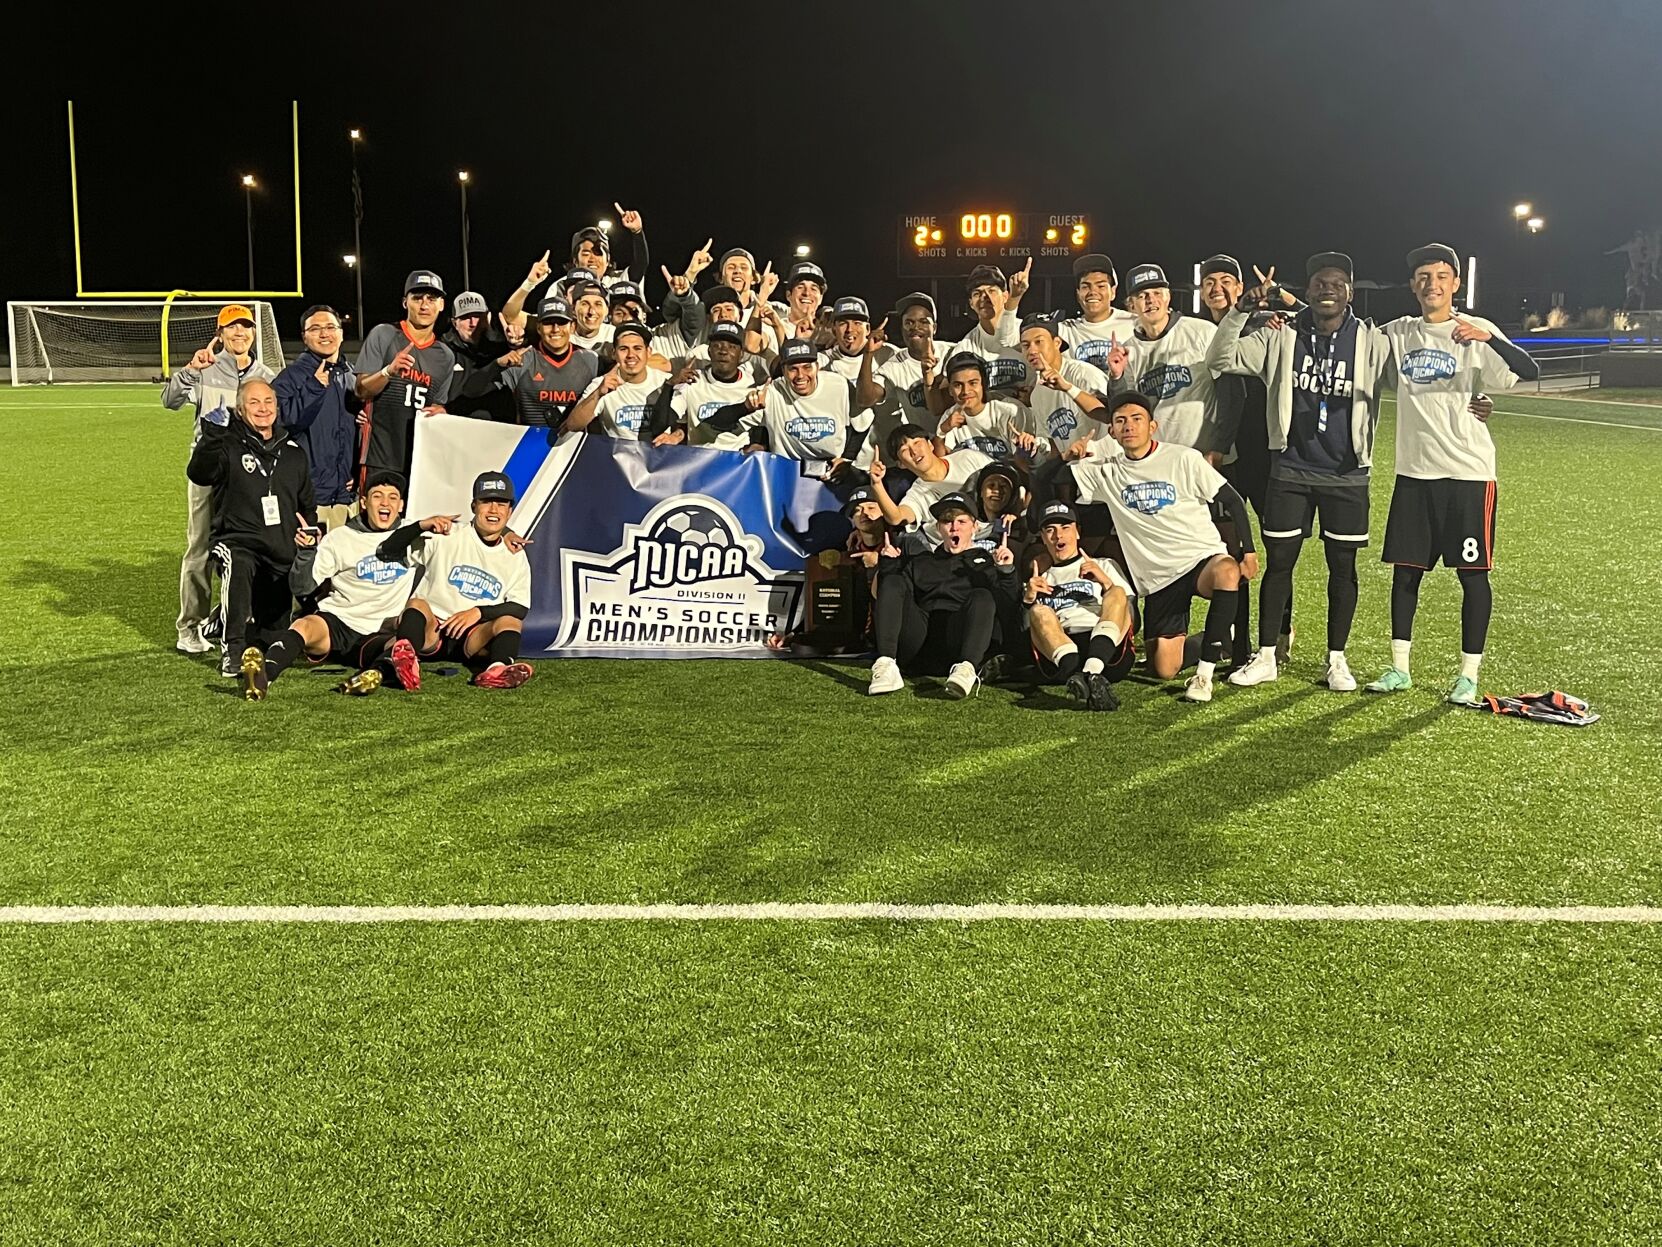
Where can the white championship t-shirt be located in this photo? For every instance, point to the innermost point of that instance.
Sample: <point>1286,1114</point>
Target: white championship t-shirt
<point>988,430</point>
<point>364,593</point>
<point>1171,369</point>
<point>1077,599</point>
<point>961,467</point>
<point>461,571</point>
<point>1090,341</point>
<point>1161,510</point>
<point>1056,414</point>
<point>1007,369</point>
<point>702,397</point>
<point>806,427</point>
<point>1437,438</point>
<point>623,413</point>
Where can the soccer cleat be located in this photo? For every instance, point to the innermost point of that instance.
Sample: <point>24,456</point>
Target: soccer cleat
<point>1464,693</point>
<point>1338,676</point>
<point>1284,646</point>
<point>1102,695</point>
<point>885,677</point>
<point>1199,688</point>
<point>1393,681</point>
<point>360,685</point>
<point>254,682</point>
<point>405,665</point>
<point>1261,669</point>
<point>504,675</point>
<point>191,641</point>
<point>996,668</point>
<point>1078,687</point>
<point>961,680</point>
<point>229,667</point>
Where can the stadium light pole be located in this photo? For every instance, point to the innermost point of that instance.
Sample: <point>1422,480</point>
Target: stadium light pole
<point>357,137</point>
<point>1519,212</point>
<point>462,179</point>
<point>248,204</point>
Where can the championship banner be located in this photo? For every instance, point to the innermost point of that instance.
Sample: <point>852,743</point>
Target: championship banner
<point>639,551</point>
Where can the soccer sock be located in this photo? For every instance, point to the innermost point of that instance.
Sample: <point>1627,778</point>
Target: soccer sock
<point>1276,596</point>
<point>1477,603</point>
<point>1341,593</point>
<point>1469,663</point>
<point>1066,658</point>
<point>1104,644</point>
<point>412,627</point>
<point>503,647</point>
<point>1399,655</point>
<point>282,652</point>
<point>1405,600</point>
<point>1220,617</point>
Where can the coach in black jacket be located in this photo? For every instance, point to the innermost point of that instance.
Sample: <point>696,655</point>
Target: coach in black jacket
<point>262,496</point>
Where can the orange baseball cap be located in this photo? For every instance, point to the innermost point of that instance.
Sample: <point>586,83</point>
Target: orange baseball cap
<point>231,313</point>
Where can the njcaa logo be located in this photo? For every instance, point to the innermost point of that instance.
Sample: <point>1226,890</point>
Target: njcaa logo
<point>1165,381</point>
<point>631,418</point>
<point>1005,373</point>
<point>1428,364</point>
<point>376,572</point>
<point>1062,422</point>
<point>475,583</point>
<point>811,428</point>
<point>1149,497</point>
<point>687,577</point>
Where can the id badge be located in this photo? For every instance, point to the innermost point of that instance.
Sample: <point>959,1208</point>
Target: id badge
<point>273,516</point>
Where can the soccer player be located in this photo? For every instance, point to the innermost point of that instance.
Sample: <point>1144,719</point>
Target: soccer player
<point>209,383</point>
<point>897,391</point>
<point>804,415</point>
<point>1160,495</point>
<point>403,371</point>
<point>1100,326</point>
<point>317,402</point>
<point>695,393</point>
<point>994,426</point>
<point>804,292</point>
<point>1069,391</point>
<point>365,619</point>
<point>481,352</point>
<point>1443,506</point>
<point>1325,370</point>
<point>1074,604</point>
<point>996,335</point>
<point>591,249</point>
<point>722,306</point>
<point>933,476</point>
<point>1000,491</point>
<point>1168,364</point>
<point>549,379</point>
<point>621,402</point>
<point>260,495</point>
<point>628,305</point>
<point>683,312</point>
<point>852,340</point>
<point>590,307</point>
<point>476,587</point>
<point>945,609</point>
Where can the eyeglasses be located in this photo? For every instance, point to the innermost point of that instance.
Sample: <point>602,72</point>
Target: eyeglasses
<point>321,329</point>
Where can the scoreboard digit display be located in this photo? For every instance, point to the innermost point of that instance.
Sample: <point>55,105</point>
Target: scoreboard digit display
<point>950,244</point>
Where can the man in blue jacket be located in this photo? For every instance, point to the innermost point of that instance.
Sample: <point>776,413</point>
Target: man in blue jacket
<point>318,405</point>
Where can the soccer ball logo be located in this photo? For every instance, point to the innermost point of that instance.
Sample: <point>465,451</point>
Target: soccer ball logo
<point>692,525</point>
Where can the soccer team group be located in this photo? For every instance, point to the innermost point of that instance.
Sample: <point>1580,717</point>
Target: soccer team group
<point>1035,494</point>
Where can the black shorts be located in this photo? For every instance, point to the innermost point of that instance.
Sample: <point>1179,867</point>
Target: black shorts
<point>1292,504</point>
<point>1449,520</point>
<point>1166,611</point>
<point>348,646</point>
<point>451,649</point>
<point>1125,657</point>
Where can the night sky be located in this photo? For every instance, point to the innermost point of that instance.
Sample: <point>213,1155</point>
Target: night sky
<point>1268,130</point>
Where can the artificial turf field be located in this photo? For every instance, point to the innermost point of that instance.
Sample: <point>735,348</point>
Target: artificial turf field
<point>827,1082</point>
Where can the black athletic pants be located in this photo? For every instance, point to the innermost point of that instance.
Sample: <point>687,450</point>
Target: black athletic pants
<point>253,594</point>
<point>931,641</point>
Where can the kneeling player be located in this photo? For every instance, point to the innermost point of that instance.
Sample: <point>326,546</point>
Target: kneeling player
<point>1078,603</point>
<point>476,589</point>
<point>361,596</point>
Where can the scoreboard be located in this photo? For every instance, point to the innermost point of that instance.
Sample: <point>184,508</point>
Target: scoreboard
<point>950,244</point>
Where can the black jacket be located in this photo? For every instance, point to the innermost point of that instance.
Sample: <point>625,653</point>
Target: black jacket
<point>241,469</point>
<point>323,419</point>
<point>473,388</point>
<point>941,580</point>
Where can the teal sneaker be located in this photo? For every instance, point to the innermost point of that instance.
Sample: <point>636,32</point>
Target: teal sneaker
<point>1393,681</point>
<point>1464,693</point>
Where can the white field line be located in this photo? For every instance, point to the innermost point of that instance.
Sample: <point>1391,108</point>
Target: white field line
<point>1603,424</point>
<point>784,911</point>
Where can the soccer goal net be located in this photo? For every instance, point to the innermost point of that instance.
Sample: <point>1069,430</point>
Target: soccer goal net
<point>58,343</point>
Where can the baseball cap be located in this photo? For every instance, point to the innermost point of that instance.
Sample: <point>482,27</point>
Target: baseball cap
<point>1145,277</point>
<point>554,308</point>
<point>965,359</point>
<point>725,331</point>
<point>862,494</point>
<point>1042,320</point>
<point>806,270</point>
<point>469,303</point>
<point>851,309</point>
<point>916,299</point>
<point>948,503</point>
<point>1433,253</point>
<point>1096,262</point>
<point>1057,513</point>
<point>1329,259</point>
<point>386,476</point>
<point>1126,398</point>
<point>634,327</point>
<point>986,275</point>
<point>721,294</point>
<point>423,279</point>
<point>623,290</point>
<point>998,467</point>
<point>1221,263</point>
<point>799,351</point>
<point>590,233</point>
<point>735,251</point>
<point>231,313</point>
<point>492,486</point>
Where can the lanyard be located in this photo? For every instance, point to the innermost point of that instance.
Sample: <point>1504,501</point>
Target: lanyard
<point>1323,370</point>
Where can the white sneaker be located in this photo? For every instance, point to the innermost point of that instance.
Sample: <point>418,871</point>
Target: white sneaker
<point>1338,677</point>
<point>191,642</point>
<point>1284,646</point>
<point>885,677</point>
<point>1199,688</point>
<point>961,680</point>
<point>1260,669</point>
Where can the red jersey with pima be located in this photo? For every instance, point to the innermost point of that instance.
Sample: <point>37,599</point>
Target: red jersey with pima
<point>547,387</point>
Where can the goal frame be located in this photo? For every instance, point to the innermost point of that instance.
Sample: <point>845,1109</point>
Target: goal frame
<point>92,306</point>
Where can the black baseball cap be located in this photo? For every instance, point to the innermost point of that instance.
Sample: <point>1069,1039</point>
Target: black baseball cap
<point>591,233</point>
<point>730,253</point>
<point>986,275</point>
<point>721,294</point>
<point>492,487</point>
<point>554,308</point>
<point>966,359</point>
<point>1126,398</point>
<point>630,291</point>
<point>575,289</point>
<point>948,503</point>
<point>1329,259</point>
<point>806,270</point>
<point>1057,513</point>
<point>862,494</point>
<point>1043,320</point>
<point>850,308</point>
<point>636,328</point>
<point>1433,253</point>
<point>1095,262</point>
<point>423,279</point>
<point>1145,277</point>
<point>386,476</point>
<point>998,467</point>
<point>1221,263</point>
<point>798,351</point>
<point>726,331</point>
<point>916,299</point>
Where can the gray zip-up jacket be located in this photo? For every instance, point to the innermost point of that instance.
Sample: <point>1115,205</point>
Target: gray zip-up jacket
<point>1267,353</point>
<point>212,387</point>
